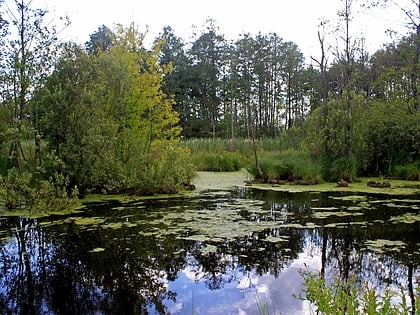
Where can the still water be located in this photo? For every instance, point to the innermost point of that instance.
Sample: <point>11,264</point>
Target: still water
<point>213,252</point>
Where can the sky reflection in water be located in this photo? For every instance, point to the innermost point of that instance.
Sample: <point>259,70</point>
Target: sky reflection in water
<point>212,253</point>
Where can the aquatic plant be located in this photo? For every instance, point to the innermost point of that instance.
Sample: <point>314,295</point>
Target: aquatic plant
<point>218,161</point>
<point>346,297</point>
<point>289,165</point>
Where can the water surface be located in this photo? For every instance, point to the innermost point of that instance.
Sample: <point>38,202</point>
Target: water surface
<point>212,252</point>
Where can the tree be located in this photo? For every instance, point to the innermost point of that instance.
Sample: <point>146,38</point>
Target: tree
<point>106,117</point>
<point>207,54</point>
<point>180,81</point>
<point>411,11</point>
<point>292,72</point>
<point>99,41</point>
<point>29,56</point>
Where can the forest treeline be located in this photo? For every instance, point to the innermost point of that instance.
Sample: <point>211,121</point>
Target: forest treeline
<point>107,116</point>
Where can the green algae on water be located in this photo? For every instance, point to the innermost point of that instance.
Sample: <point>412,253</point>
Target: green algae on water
<point>407,218</point>
<point>97,250</point>
<point>382,245</point>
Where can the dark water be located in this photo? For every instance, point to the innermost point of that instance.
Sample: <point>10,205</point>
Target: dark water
<point>216,252</point>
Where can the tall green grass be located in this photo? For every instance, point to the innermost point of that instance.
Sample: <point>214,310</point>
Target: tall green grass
<point>410,171</point>
<point>245,147</point>
<point>347,297</point>
<point>275,162</point>
<point>289,165</point>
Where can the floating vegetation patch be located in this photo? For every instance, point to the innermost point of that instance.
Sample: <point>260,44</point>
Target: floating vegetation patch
<point>384,245</point>
<point>50,223</point>
<point>208,249</point>
<point>129,224</point>
<point>324,215</point>
<point>407,200</point>
<point>395,205</point>
<point>293,225</point>
<point>229,220</point>
<point>360,223</point>
<point>85,220</point>
<point>113,225</point>
<point>407,218</point>
<point>25,213</point>
<point>196,237</point>
<point>349,198</point>
<point>311,225</point>
<point>324,208</point>
<point>97,250</point>
<point>365,204</point>
<point>275,239</point>
<point>354,208</point>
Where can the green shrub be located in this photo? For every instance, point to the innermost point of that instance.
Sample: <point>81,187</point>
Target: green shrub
<point>163,170</point>
<point>26,191</point>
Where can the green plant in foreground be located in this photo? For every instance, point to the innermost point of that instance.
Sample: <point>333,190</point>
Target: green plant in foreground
<point>344,297</point>
<point>263,307</point>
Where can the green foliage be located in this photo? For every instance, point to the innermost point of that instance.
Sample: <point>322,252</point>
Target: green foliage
<point>164,170</point>
<point>387,136</point>
<point>22,190</point>
<point>107,119</point>
<point>102,113</point>
<point>345,297</point>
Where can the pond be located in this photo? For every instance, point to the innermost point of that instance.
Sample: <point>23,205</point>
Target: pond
<point>214,251</point>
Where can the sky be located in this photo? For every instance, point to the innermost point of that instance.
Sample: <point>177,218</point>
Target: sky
<point>292,20</point>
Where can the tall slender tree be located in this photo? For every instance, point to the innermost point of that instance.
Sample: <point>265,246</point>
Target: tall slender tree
<point>29,56</point>
<point>208,54</point>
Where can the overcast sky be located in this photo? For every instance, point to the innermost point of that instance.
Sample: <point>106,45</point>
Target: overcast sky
<point>293,20</point>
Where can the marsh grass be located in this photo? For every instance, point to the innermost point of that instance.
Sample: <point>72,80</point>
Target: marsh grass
<point>242,146</point>
<point>219,162</point>
<point>289,165</point>
<point>409,171</point>
<point>275,161</point>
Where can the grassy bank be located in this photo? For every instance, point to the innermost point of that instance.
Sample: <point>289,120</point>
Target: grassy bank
<point>271,161</point>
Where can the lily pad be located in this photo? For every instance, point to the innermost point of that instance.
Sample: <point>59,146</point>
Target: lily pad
<point>382,245</point>
<point>408,218</point>
<point>350,198</point>
<point>97,250</point>
<point>113,225</point>
<point>208,249</point>
<point>274,239</point>
<point>85,220</point>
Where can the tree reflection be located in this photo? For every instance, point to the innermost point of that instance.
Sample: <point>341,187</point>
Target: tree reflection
<point>53,268</point>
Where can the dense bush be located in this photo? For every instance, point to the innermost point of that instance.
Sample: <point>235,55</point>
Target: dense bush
<point>24,190</point>
<point>166,170</point>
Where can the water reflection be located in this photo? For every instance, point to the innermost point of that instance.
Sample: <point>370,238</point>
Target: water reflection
<point>208,254</point>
